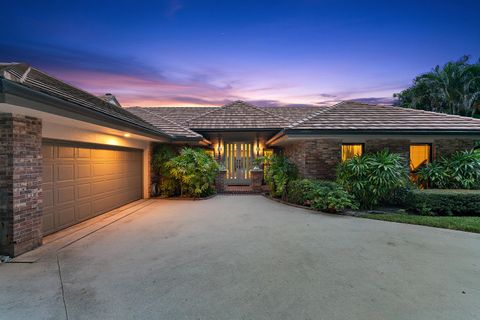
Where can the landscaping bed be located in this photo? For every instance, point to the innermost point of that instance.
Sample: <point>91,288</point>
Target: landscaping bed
<point>377,186</point>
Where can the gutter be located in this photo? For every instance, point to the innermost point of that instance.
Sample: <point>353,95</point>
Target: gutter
<point>320,132</point>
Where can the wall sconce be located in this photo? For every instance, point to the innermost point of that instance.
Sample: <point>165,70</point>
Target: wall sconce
<point>219,149</point>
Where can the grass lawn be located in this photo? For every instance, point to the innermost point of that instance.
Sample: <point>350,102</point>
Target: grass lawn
<point>469,224</point>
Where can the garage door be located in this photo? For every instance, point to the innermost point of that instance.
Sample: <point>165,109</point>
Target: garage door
<point>80,182</point>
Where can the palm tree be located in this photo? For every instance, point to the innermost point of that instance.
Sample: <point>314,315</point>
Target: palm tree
<point>453,88</point>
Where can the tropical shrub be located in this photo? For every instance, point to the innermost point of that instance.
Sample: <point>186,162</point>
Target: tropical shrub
<point>320,195</point>
<point>373,178</point>
<point>195,172</point>
<point>167,184</point>
<point>446,202</point>
<point>459,171</point>
<point>302,191</point>
<point>279,170</point>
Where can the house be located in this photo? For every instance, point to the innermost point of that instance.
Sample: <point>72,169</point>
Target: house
<point>316,139</point>
<point>67,155</point>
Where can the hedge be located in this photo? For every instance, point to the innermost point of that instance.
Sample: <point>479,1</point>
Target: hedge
<point>445,202</point>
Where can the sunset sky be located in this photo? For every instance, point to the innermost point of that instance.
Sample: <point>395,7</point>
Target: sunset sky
<point>181,52</point>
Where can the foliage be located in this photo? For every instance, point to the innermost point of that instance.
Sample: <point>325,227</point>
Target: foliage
<point>160,156</point>
<point>194,170</point>
<point>459,171</point>
<point>373,178</point>
<point>445,202</point>
<point>320,195</point>
<point>453,88</point>
<point>469,224</point>
<point>279,170</point>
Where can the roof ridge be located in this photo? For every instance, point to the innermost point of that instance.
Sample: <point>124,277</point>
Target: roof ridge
<point>208,112</point>
<point>315,114</point>
<point>168,120</point>
<point>235,102</point>
<point>264,111</point>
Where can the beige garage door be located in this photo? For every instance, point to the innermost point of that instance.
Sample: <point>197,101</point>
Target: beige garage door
<point>80,182</point>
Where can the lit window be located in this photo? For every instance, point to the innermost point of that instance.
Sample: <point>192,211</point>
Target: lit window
<point>351,150</point>
<point>419,156</point>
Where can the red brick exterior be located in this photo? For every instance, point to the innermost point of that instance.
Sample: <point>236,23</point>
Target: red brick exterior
<point>20,184</point>
<point>445,147</point>
<point>220,181</point>
<point>257,179</point>
<point>318,158</point>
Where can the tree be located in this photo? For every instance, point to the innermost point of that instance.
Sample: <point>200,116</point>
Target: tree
<point>453,88</point>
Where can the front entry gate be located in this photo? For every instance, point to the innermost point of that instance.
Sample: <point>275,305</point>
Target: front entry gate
<point>238,162</point>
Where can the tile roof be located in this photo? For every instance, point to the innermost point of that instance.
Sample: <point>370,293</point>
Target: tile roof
<point>238,115</point>
<point>294,113</point>
<point>180,115</point>
<point>163,123</point>
<point>358,116</point>
<point>41,82</point>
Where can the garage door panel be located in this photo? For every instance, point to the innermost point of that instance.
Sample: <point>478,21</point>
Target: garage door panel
<point>84,191</point>
<point>47,172</point>
<point>66,152</point>
<point>65,194</point>
<point>48,152</point>
<point>48,220</point>
<point>83,170</point>
<point>65,172</point>
<point>84,211</point>
<point>65,216</point>
<point>103,169</point>
<point>83,154</point>
<point>48,195</point>
<point>82,182</point>
<point>105,186</point>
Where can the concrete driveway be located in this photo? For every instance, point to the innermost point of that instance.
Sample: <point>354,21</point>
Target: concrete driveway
<point>247,257</point>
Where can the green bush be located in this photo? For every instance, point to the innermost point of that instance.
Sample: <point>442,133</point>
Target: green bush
<point>320,195</point>
<point>373,178</point>
<point>459,171</point>
<point>302,191</point>
<point>445,202</point>
<point>195,172</point>
<point>161,154</point>
<point>278,172</point>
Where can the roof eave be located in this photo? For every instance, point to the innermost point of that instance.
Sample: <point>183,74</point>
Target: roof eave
<point>15,93</point>
<point>382,131</point>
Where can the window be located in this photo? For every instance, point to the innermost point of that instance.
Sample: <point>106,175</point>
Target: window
<point>351,150</point>
<point>420,155</point>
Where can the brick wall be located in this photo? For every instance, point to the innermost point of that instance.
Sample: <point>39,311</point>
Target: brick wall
<point>20,184</point>
<point>445,147</point>
<point>318,158</point>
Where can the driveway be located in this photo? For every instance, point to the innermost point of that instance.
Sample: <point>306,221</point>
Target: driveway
<point>247,257</point>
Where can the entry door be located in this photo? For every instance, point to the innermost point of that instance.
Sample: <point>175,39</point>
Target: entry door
<point>238,161</point>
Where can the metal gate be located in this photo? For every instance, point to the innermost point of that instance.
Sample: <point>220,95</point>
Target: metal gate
<point>238,162</point>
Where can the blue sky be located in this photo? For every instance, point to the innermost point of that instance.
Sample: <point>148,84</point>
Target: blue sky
<point>180,52</point>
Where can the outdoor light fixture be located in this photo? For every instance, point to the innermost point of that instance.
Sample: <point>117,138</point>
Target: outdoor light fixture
<point>127,135</point>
